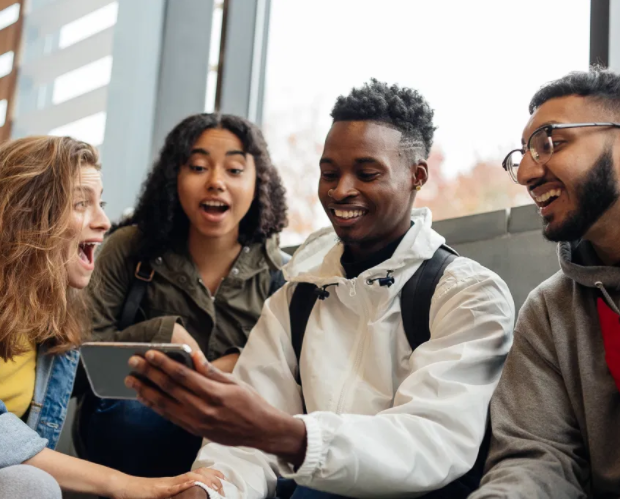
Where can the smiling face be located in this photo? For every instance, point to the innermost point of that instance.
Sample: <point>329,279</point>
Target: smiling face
<point>578,185</point>
<point>216,186</point>
<point>88,225</point>
<point>367,184</point>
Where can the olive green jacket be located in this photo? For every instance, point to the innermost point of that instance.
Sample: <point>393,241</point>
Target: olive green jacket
<point>218,323</point>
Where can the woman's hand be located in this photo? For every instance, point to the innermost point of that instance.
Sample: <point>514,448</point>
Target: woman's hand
<point>212,479</point>
<point>181,336</point>
<point>131,487</point>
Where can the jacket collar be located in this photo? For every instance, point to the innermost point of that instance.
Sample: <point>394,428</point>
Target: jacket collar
<point>253,259</point>
<point>317,260</point>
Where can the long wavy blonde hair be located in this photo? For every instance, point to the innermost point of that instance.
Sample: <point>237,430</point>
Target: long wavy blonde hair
<point>37,180</point>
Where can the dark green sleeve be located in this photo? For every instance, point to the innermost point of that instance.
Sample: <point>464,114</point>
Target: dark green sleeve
<point>110,284</point>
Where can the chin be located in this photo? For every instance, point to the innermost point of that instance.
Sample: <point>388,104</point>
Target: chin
<point>78,281</point>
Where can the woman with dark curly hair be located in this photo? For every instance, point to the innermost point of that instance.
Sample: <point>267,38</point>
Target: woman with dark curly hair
<point>193,264</point>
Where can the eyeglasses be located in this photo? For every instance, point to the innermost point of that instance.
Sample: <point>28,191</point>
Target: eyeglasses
<point>540,145</point>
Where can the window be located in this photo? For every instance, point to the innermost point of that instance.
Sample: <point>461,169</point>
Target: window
<point>90,129</point>
<point>214,56</point>
<point>89,25</point>
<point>9,16</point>
<point>3,109</point>
<point>82,80</point>
<point>6,64</point>
<point>476,62</point>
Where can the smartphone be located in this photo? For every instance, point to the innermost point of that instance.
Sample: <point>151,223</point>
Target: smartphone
<point>106,365</point>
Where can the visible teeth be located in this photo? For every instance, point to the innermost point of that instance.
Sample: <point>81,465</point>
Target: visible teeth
<point>214,203</point>
<point>348,213</point>
<point>89,244</point>
<point>553,193</point>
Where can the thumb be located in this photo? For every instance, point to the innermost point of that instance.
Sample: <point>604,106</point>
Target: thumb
<point>208,370</point>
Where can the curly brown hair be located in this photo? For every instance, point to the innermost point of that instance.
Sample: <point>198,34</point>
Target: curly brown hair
<point>159,215</point>
<point>37,179</point>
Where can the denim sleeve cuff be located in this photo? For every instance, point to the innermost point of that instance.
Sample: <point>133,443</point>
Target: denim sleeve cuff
<point>18,442</point>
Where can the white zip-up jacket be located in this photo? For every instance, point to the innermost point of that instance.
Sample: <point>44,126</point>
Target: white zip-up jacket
<point>382,421</point>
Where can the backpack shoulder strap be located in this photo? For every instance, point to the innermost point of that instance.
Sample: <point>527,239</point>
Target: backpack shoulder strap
<point>302,303</point>
<point>416,296</point>
<point>142,277</point>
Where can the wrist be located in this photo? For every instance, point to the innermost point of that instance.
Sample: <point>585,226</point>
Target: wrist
<point>114,483</point>
<point>288,440</point>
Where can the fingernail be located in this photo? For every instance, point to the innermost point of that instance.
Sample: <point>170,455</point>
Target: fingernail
<point>133,362</point>
<point>150,355</point>
<point>129,382</point>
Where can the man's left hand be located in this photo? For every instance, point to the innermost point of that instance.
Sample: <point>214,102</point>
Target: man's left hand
<point>216,406</point>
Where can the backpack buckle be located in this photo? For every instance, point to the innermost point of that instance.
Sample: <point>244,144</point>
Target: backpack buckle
<point>143,277</point>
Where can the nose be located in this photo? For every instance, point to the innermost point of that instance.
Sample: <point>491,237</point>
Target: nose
<point>100,221</point>
<point>529,171</point>
<point>345,188</point>
<point>215,180</point>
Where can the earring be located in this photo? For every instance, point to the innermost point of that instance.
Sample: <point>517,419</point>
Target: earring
<point>330,193</point>
<point>418,187</point>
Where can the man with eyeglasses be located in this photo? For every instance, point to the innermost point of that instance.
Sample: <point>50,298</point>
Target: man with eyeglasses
<point>556,412</point>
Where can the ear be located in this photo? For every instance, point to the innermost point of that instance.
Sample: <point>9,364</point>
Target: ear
<point>419,174</point>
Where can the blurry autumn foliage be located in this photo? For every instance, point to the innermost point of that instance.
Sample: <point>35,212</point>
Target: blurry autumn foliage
<point>485,187</point>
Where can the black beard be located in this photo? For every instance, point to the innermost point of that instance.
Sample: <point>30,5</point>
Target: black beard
<point>597,193</point>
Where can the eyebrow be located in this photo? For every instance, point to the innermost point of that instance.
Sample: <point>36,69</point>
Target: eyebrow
<point>326,161</point>
<point>366,160</point>
<point>204,152</point>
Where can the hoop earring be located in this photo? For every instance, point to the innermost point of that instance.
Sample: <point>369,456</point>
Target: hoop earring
<point>330,193</point>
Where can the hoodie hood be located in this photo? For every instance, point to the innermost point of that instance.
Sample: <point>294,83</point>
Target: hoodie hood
<point>579,262</point>
<point>317,260</point>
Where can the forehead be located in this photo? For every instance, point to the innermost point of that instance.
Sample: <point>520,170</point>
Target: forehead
<point>89,176</point>
<point>364,138</point>
<point>218,137</point>
<point>568,109</point>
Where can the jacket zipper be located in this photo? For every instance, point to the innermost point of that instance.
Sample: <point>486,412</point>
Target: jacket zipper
<point>356,364</point>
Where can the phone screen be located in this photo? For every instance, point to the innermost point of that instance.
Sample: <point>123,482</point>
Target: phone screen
<point>106,365</point>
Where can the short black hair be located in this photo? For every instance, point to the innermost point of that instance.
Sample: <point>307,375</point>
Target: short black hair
<point>598,83</point>
<point>159,216</point>
<point>398,107</point>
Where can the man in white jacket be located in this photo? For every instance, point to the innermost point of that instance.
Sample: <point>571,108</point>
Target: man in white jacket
<point>374,418</point>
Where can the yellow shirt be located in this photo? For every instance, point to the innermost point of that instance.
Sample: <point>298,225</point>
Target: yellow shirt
<point>17,377</point>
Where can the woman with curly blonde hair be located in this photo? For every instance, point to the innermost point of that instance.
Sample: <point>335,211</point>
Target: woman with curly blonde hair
<point>51,220</point>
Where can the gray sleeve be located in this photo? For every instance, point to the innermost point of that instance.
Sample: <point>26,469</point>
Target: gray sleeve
<point>18,442</point>
<point>537,448</point>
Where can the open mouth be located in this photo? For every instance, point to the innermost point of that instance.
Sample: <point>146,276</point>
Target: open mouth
<point>547,198</point>
<point>86,252</point>
<point>214,207</point>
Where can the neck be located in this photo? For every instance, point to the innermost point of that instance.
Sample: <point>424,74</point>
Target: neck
<point>213,251</point>
<point>605,236</point>
<point>364,249</point>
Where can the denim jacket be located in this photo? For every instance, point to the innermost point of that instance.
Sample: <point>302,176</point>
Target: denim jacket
<point>19,440</point>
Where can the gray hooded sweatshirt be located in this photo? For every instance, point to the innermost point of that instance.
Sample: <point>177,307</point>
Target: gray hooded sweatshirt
<point>556,411</point>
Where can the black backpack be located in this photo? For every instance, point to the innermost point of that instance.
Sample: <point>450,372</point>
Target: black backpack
<point>415,301</point>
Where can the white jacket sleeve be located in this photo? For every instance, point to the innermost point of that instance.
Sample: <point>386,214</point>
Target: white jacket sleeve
<point>268,361</point>
<point>432,434</point>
